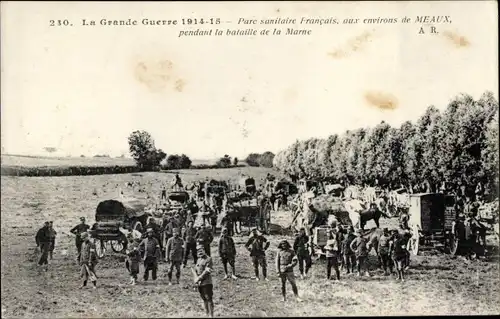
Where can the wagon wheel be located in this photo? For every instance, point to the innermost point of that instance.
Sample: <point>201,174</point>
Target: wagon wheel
<point>138,227</point>
<point>117,246</point>
<point>413,242</point>
<point>100,248</point>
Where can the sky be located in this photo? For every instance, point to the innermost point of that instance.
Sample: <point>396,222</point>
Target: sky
<point>84,89</point>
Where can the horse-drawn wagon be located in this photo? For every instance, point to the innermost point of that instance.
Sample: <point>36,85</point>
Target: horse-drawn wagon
<point>249,208</point>
<point>111,215</point>
<point>431,219</point>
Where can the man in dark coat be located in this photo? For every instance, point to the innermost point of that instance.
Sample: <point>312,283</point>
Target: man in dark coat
<point>301,248</point>
<point>77,231</point>
<point>190,242</point>
<point>150,250</point>
<point>42,239</point>
<point>257,246</point>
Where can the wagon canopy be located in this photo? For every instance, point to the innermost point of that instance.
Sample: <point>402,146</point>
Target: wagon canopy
<point>181,197</point>
<point>130,207</point>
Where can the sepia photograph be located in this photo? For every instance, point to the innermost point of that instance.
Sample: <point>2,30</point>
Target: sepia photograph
<point>235,159</point>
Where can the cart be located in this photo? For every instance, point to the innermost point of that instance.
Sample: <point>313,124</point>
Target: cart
<point>431,221</point>
<point>110,216</point>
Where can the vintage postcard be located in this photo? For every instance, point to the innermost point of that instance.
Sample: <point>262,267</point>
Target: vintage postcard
<point>249,159</point>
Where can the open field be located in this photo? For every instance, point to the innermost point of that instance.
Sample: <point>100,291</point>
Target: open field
<point>436,283</point>
<point>40,161</point>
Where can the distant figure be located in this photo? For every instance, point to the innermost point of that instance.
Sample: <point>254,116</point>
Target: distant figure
<point>42,239</point>
<point>163,192</point>
<point>332,249</point>
<point>177,182</point>
<point>88,260</point>
<point>77,231</point>
<point>53,235</point>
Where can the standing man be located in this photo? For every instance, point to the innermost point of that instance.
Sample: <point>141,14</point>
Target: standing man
<point>285,261</point>
<point>53,235</point>
<point>174,255</point>
<point>383,251</point>
<point>227,223</point>
<point>133,260</point>
<point>77,230</point>
<point>190,242</point>
<point>257,246</point>
<point>227,253</point>
<point>42,239</point>
<point>88,260</point>
<point>213,221</point>
<point>150,249</point>
<point>203,279</point>
<point>332,249</point>
<point>163,192</point>
<point>347,252</point>
<point>156,230</point>
<point>205,236</point>
<point>397,250</point>
<point>360,248</point>
<point>301,248</point>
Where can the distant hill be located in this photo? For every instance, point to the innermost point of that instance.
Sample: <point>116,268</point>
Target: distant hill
<point>40,161</point>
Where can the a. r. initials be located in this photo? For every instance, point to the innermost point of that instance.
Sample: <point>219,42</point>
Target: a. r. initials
<point>432,30</point>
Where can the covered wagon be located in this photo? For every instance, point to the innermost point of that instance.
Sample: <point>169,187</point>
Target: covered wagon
<point>115,214</point>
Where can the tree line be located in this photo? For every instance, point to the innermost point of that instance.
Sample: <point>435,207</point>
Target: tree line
<point>451,149</point>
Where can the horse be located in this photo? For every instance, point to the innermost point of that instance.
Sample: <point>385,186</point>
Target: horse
<point>373,212</point>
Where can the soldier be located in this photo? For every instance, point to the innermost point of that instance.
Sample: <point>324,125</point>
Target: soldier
<point>332,249</point>
<point>151,252</point>
<point>213,221</point>
<point>360,248</point>
<point>257,246</point>
<point>383,251</point>
<point>53,234</point>
<point>88,260</point>
<point>133,261</point>
<point>227,253</point>
<point>203,279</point>
<point>347,252</point>
<point>190,241</point>
<point>77,230</point>
<point>174,255</point>
<point>226,222</point>
<point>205,236</point>
<point>42,239</point>
<point>397,249</point>
<point>301,248</point>
<point>285,261</point>
<point>163,192</point>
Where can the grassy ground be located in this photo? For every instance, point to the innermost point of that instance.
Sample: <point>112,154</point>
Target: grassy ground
<point>437,284</point>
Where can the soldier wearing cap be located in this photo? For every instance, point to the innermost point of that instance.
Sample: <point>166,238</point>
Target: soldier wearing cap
<point>88,260</point>
<point>360,248</point>
<point>286,260</point>
<point>174,255</point>
<point>383,251</point>
<point>257,246</point>
<point>301,248</point>
<point>151,252</point>
<point>203,278</point>
<point>77,230</point>
<point>227,253</point>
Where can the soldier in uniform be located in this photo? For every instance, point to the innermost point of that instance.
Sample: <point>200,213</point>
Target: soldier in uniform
<point>42,239</point>
<point>383,251</point>
<point>151,252</point>
<point>286,260</point>
<point>77,230</point>
<point>88,260</point>
<point>257,246</point>
<point>174,255</point>
<point>301,248</point>
<point>203,279</point>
